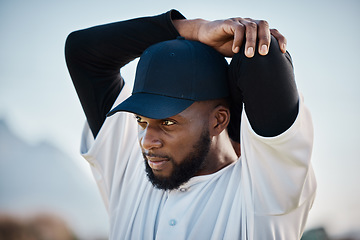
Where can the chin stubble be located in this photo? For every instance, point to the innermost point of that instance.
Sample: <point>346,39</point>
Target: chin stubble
<point>187,169</point>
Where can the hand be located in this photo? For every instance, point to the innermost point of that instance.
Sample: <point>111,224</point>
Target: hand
<point>226,36</point>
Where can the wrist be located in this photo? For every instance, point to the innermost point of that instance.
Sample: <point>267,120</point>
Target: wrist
<point>189,29</point>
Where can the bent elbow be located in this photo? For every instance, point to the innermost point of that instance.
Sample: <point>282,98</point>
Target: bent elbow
<point>73,45</point>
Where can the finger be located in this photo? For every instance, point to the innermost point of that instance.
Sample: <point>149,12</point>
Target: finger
<point>263,36</point>
<point>280,38</point>
<point>250,35</point>
<point>238,30</point>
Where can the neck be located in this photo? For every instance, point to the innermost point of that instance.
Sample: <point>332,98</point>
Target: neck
<point>221,154</point>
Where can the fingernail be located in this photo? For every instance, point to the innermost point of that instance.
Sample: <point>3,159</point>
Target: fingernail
<point>284,47</point>
<point>250,52</point>
<point>236,50</point>
<point>263,50</point>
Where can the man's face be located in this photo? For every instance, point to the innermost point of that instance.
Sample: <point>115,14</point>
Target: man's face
<point>175,149</point>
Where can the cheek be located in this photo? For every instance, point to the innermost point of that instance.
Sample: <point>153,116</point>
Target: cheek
<point>183,145</point>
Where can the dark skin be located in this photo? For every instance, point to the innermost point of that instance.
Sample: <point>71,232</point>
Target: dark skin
<point>226,36</point>
<point>176,136</point>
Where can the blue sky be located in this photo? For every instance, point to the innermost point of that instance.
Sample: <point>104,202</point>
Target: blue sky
<point>38,100</point>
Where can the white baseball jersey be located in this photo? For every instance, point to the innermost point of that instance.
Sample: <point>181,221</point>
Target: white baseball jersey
<point>266,194</point>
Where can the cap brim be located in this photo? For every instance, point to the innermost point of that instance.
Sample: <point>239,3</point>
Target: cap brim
<point>152,105</point>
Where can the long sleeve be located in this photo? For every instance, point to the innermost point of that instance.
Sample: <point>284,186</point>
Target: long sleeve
<point>94,57</point>
<point>266,85</point>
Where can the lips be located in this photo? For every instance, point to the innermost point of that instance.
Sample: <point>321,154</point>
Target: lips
<point>157,163</point>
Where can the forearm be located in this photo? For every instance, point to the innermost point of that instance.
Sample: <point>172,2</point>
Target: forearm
<point>266,85</point>
<point>95,55</point>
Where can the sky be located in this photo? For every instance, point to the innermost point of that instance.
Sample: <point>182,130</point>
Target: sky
<point>39,103</point>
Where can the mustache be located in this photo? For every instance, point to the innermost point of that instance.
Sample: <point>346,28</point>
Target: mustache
<point>155,155</point>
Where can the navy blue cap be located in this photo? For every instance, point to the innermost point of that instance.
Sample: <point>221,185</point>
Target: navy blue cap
<point>172,75</point>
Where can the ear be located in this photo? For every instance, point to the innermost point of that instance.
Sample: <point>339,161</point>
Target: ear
<point>219,120</point>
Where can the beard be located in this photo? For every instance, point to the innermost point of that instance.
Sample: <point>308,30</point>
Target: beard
<point>188,168</point>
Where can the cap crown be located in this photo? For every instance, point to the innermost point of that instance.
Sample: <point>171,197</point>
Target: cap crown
<point>182,69</point>
<point>172,75</point>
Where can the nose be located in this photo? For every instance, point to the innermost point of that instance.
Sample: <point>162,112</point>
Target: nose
<point>150,139</point>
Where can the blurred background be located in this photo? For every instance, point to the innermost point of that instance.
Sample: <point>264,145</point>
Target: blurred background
<point>46,189</point>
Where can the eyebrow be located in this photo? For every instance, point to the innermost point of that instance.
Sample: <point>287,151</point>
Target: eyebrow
<point>177,116</point>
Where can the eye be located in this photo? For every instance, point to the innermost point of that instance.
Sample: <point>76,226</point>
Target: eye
<point>168,122</point>
<point>141,123</point>
<point>138,119</point>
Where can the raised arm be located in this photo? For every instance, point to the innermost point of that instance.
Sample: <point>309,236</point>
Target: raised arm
<point>266,85</point>
<point>261,73</point>
<point>95,55</point>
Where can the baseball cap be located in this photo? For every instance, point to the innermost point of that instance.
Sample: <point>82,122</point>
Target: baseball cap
<point>172,75</point>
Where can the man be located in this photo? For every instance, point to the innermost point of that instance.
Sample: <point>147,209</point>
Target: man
<point>204,178</point>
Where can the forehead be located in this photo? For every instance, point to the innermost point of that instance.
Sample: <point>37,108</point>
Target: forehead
<point>199,109</point>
